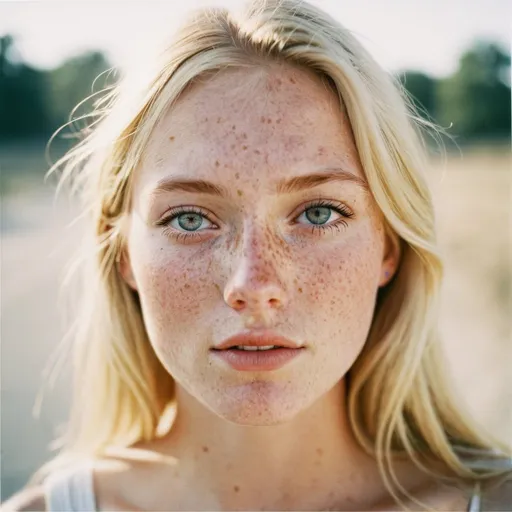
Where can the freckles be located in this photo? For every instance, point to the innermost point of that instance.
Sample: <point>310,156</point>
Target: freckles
<point>177,286</point>
<point>343,286</point>
<point>283,250</point>
<point>230,244</point>
<point>293,145</point>
<point>275,245</point>
<point>273,84</point>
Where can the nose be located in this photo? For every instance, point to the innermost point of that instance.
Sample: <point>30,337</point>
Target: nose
<point>255,288</point>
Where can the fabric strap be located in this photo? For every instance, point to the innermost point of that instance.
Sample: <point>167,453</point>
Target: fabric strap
<point>475,504</point>
<point>71,490</point>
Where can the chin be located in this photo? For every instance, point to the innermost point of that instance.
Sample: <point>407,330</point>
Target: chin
<point>259,403</point>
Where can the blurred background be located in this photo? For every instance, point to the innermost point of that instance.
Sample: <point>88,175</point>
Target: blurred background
<point>453,56</point>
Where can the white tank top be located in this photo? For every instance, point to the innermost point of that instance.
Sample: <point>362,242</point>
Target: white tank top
<point>73,491</point>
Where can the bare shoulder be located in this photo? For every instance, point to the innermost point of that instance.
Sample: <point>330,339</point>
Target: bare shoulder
<point>32,499</point>
<point>498,499</point>
<point>118,475</point>
<point>111,481</point>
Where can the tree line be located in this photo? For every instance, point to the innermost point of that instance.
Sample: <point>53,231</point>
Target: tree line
<point>472,103</point>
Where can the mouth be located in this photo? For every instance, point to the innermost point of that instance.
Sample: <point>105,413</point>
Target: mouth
<point>256,341</point>
<point>257,352</point>
<point>254,349</point>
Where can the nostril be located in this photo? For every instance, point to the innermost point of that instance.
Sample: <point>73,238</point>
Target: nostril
<point>239,304</point>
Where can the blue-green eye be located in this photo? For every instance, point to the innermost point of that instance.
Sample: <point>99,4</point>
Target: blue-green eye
<point>318,215</point>
<point>189,221</point>
<point>324,214</point>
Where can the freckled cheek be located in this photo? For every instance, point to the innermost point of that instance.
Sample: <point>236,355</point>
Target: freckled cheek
<point>342,285</point>
<point>176,287</point>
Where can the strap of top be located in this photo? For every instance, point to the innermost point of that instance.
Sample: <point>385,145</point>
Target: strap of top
<point>475,503</point>
<point>71,490</point>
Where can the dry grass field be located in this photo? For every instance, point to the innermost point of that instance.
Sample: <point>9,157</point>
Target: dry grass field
<point>472,195</point>
<point>473,199</point>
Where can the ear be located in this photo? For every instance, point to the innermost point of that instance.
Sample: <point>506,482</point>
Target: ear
<point>391,260</point>
<point>125,269</point>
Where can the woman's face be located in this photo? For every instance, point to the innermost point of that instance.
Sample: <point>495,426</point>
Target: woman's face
<point>251,215</point>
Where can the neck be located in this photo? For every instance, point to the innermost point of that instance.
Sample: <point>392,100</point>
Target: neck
<point>310,462</point>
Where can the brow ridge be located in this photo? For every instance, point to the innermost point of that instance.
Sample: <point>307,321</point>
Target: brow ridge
<point>299,183</point>
<point>284,186</point>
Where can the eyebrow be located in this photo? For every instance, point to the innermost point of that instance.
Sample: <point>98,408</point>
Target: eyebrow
<point>299,183</point>
<point>187,185</point>
<point>285,186</point>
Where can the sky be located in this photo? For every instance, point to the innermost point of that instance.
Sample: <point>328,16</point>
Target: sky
<point>427,35</point>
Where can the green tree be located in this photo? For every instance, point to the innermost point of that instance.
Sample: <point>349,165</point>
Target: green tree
<point>422,89</point>
<point>475,100</point>
<point>35,103</point>
<point>72,82</point>
<point>23,110</point>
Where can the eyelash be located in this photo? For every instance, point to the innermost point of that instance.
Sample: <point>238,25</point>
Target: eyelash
<point>176,212</point>
<point>338,207</point>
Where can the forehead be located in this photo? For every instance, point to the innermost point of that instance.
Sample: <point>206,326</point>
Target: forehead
<point>277,119</point>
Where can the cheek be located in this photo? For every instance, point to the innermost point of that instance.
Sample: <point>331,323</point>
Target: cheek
<point>174,286</point>
<point>340,290</point>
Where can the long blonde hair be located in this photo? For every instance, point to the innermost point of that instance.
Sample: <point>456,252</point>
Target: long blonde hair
<point>399,400</point>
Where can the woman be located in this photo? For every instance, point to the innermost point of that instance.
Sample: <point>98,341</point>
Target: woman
<point>260,324</point>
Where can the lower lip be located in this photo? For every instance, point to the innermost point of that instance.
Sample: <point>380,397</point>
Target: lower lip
<point>257,360</point>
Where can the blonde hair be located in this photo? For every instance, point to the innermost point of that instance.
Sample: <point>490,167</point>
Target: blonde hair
<point>400,403</point>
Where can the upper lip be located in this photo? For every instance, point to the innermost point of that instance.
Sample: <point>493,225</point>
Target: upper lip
<point>256,340</point>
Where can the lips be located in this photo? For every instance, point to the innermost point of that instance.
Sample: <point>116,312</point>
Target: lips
<point>263,339</point>
<point>255,355</point>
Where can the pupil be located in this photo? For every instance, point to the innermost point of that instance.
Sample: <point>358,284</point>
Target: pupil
<point>190,221</point>
<point>318,215</point>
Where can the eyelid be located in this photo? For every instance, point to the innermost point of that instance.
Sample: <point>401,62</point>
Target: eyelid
<point>172,213</point>
<point>327,203</point>
<point>175,211</point>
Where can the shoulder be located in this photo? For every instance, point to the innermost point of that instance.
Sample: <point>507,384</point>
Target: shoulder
<point>111,480</point>
<point>32,499</point>
<point>117,478</point>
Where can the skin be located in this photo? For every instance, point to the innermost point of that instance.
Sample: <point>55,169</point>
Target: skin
<point>255,261</point>
<point>260,266</point>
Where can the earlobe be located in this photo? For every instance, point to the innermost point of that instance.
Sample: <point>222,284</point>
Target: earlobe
<point>125,269</point>
<point>391,259</point>
<point>385,278</point>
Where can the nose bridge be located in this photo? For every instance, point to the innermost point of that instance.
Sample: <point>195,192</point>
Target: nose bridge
<point>255,279</point>
<point>258,263</point>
